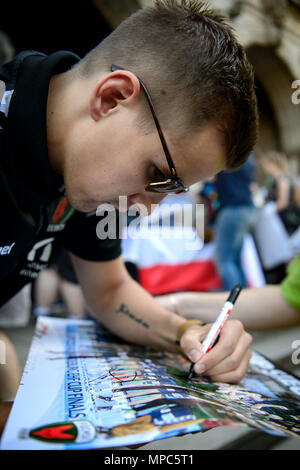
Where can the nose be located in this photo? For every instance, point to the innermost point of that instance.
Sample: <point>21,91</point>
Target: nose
<point>146,202</point>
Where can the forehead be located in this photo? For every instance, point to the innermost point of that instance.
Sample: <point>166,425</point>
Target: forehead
<point>199,155</point>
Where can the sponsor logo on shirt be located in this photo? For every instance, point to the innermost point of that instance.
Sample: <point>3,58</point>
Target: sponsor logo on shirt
<point>37,258</point>
<point>5,250</point>
<point>61,214</point>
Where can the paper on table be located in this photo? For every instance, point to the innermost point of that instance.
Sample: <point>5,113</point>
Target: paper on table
<point>83,388</point>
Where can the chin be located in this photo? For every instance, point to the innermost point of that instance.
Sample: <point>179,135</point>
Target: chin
<point>83,205</point>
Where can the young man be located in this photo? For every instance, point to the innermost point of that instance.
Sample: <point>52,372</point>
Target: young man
<point>79,133</point>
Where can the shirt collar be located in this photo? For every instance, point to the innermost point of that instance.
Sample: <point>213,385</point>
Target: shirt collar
<point>28,168</point>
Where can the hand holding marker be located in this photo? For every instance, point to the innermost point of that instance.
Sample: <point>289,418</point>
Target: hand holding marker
<point>217,326</point>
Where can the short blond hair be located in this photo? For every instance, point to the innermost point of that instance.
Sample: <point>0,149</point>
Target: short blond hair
<point>195,69</point>
<point>277,158</point>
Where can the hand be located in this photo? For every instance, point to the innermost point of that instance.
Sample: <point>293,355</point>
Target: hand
<point>229,358</point>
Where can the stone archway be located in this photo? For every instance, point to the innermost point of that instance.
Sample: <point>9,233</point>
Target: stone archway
<point>276,82</point>
<point>269,135</point>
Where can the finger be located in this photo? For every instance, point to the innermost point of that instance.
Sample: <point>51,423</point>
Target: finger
<point>237,375</point>
<point>225,347</point>
<point>191,341</point>
<point>232,362</point>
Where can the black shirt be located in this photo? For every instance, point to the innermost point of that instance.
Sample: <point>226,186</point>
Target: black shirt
<point>35,212</point>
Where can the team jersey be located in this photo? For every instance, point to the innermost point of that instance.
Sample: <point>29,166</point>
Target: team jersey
<point>35,212</point>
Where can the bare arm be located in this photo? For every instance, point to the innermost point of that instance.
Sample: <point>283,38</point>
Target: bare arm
<point>283,193</point>
<point>126,309</point>
<point>258,309</point>
<point>118,302</point>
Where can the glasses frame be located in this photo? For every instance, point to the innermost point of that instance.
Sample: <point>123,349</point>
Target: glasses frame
<point>170,185</point>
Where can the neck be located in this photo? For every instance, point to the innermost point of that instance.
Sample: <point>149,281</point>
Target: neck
<point>62,109</point>
<point>54,129</point>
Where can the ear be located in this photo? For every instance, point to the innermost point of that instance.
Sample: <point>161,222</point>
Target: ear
<point>119,87</point>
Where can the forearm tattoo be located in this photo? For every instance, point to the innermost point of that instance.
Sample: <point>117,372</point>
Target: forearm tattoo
<point>124,309</point>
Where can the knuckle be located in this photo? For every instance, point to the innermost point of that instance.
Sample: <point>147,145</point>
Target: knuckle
<point>240,372</point>
<point>191,334</point>
<point>184,344</point>
<point>233,363</point>
<point>186,338</point>
<point>191,331</point>
<point>228,347</point>
<point>238,325</point>
<point>249,338</point>
<point>237,376</point>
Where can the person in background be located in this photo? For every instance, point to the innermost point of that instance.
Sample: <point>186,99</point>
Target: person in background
<point>209,197</point>
<point>59,281</point>
<point>274,166</point>
<point>293,216</point>
<point>236,218</point>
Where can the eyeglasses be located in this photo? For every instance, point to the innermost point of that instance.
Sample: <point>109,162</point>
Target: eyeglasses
<point>169,185</point>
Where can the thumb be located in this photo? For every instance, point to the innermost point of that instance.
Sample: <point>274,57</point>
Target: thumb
<point>190,343</point>
<point>195,354</point>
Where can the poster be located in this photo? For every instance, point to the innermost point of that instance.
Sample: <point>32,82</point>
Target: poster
<point>82,388</point>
